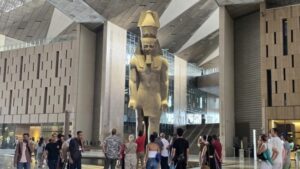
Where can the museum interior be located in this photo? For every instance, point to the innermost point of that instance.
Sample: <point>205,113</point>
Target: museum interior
<point>229,68</point>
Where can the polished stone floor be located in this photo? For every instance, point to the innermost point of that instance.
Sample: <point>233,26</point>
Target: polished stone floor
<point>6,162</point>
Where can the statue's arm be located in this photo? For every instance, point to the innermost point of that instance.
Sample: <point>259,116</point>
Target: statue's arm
<point>133,85</point>
<point>164,84</point>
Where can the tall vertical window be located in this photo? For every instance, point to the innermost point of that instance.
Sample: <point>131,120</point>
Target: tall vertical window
<point>275,40</point>
<point>269,87</point>
<point>4,69</point>
<point>284,74</point>
<point>292,36</point>
<point>10,100</point>
<point>38,66</point>
<point>65,98</point>
<point>293,85</point>
<point>27,101</point>
<point>56,64</point>
<point>45,100</point>
<point>284,99</point>
<point>21,68</point>
<point>276,87</point>
<point>292,60</point>
<point>267,26</point>
<point>285,36</point>
<point>267,51</point>
<point>275,62</point>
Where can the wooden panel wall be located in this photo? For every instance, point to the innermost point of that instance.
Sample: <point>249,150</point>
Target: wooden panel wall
<point>34,70</point>
<point>285,69</point>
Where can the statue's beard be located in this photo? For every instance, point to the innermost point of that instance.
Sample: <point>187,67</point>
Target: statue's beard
<point>147,52</point>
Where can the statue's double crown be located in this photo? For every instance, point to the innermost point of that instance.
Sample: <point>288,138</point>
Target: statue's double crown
<point>149,24</point>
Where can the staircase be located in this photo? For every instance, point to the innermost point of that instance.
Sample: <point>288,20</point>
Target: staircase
<point>194,132</point>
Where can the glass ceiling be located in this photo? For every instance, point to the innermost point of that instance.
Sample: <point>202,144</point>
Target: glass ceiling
<point>8,5</point>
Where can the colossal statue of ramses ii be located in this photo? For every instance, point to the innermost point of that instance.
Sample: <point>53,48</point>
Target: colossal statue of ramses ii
<point>148,75</point>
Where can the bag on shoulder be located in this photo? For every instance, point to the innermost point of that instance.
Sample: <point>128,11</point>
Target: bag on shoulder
<point>158,157</point>
<point>261,157</point>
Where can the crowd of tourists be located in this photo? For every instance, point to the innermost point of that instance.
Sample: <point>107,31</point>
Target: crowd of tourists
<point>274,151</point>
<point>160,152</point>
<point>55,153</point>
<point>135,153</point>
<point>156,151</point>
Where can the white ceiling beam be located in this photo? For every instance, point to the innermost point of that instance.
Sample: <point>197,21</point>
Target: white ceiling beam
<point>209,26</point>
<point>174,9</point>
<point>211,56</point>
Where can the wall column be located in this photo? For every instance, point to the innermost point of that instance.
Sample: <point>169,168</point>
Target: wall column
<point>85,82</point>
<point>113,79</point>
<point>226,41</point>
<point>180,89</point>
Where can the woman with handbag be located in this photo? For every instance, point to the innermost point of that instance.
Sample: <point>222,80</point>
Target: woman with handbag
<point>263,153</point>
<point>152,154</point>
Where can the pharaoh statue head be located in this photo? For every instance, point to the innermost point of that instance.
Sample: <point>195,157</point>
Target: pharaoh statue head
<point>148,24</point>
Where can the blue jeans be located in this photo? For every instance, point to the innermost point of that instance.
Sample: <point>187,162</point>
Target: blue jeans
<point>23,165</point>
<point>151,163</point>
<point>52,164</point>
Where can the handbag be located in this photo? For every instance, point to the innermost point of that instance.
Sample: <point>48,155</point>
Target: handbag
<point>157,157</point>
<point>261,157</point>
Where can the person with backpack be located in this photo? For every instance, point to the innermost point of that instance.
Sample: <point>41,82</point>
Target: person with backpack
<point>76,148</point>
<point>40,148</point>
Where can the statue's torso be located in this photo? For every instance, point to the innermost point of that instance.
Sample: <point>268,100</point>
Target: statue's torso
<point>149,91</point>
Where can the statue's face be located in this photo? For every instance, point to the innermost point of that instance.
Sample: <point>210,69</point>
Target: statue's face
<point>148,45</point>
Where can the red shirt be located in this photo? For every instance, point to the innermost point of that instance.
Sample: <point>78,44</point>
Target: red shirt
<point>140,141</point>
<point>218,148</point>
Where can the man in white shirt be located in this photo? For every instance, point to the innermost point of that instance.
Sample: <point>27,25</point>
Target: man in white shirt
<point>164,152</point>
<point>277,149</point>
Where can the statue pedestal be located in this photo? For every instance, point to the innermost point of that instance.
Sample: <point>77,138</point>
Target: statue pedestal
<point>241,154</point>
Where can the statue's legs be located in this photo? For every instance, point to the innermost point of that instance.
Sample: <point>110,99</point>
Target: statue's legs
<point>139,120</point>
<point>154,124</point>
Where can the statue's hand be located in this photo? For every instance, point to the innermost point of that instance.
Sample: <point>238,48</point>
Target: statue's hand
<point>164,105</point>
<point>132,104</point>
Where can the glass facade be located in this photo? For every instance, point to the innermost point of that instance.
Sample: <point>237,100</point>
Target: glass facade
<point>202,107</point>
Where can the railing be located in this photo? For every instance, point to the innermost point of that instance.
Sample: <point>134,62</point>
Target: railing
<point>194,70</point>
<point>37,42</point>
